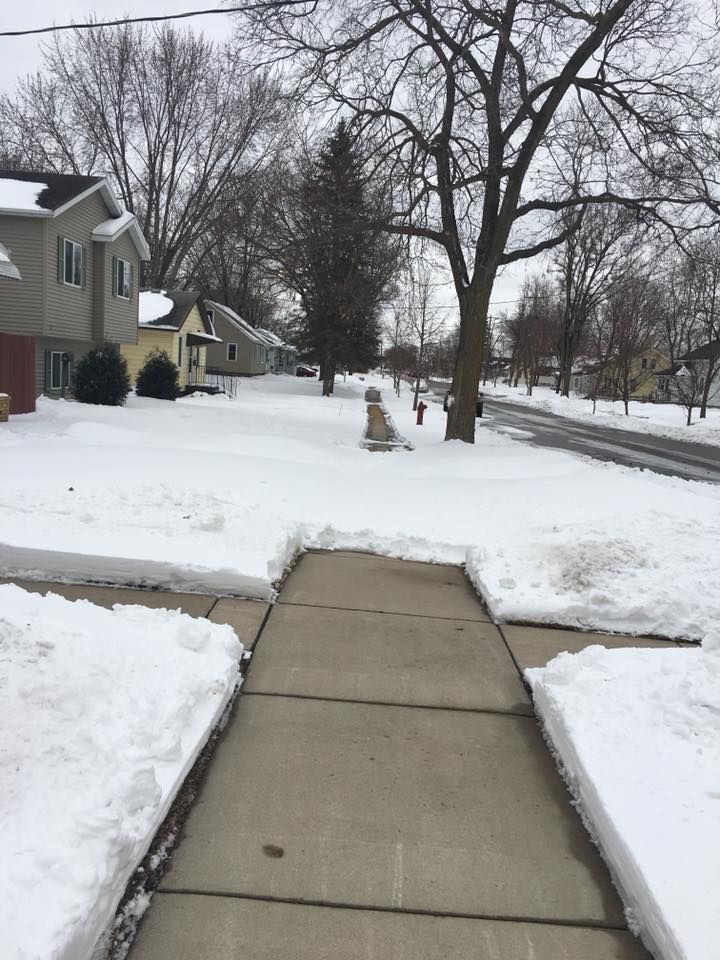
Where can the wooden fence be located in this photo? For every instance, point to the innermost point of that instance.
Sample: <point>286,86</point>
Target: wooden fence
<point>17,371</point>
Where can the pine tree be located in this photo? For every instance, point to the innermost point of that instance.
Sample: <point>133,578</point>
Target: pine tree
<point>348,262</point>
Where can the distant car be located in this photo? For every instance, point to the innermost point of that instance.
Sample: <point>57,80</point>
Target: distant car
<point>303,371</point>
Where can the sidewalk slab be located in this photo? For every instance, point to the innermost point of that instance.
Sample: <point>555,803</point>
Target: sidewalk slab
<point>383,585</point>
<point>386,658</point>
<point>222,928</point>
<point>244,616</point>
<point>195,604</point>
<point>383,806</point>
<point>535,646</point>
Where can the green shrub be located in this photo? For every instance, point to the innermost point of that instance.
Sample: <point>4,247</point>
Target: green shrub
<point>158,377</point>
<point>101,376</point>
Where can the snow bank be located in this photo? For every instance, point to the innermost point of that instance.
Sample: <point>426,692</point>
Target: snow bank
<point>215,494</point>
<point>153,306</point>
<point>637,733</point>
<point>102,714</point>
<point>659,419</point>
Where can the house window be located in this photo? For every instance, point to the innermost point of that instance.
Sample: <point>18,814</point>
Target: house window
<point>73,260</point>
<point>56,370</point>
<point>232,352</point>
<point>577,383</point>
<point>653,364</point>
<point>122,278</point>
<point>644,363</point>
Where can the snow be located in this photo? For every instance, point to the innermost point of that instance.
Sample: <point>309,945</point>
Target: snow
<point>102,714</point>
<point>637,734</point>
<point>660,419</point>
<point>210,493</point>
<point>20,196</point>
<point>112,227</point>
<point>153,306</point>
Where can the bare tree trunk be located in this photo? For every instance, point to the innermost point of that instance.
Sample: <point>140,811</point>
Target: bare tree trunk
<point>468,365</point>
<point>328,378</point>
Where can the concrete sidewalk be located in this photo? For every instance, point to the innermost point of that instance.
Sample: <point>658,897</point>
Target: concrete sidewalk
<point>383,791</point>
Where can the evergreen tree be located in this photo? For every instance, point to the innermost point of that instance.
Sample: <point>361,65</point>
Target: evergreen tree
<point>102,377</point>
<point>158,377</point>
<point>346,261</point>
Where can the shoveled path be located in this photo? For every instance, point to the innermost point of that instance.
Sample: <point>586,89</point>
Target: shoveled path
<point>383,791</point>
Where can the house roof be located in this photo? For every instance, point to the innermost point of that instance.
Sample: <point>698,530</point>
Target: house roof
<point>37,194</point>
<point>273,339</point>
<point>7,267</point>
<point>250,332</point>
<point>707,351</point>
<point>670,371</point>
<point>169,309</point>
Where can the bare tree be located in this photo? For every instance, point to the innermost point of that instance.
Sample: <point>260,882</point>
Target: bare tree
<point>705,279</point>
<point>595,259</point>
<point>632,316</point>
<point>489,118</point>
<point>424,323</point>
<point>533,330</point>
<point>169,116</point>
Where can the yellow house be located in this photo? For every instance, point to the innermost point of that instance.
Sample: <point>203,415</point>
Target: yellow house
<point>173,321</point>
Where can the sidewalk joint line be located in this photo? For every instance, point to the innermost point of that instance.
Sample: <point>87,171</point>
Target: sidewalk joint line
<point>417,912</point>
<point>386,613</point>
<point>390,703</point>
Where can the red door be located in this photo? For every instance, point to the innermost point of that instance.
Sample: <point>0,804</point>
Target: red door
<point>17,371</point>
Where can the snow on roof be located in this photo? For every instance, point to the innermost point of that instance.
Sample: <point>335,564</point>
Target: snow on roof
<point>20,195</point>
<point>237,321</point>
<point>110,228</point>
<point>153,306</point>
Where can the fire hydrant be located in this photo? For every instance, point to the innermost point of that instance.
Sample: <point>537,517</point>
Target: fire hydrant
<point>421,408</point>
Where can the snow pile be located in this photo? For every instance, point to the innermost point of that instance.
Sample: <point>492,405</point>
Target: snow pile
<point>20,195</point>
<point>659,419</point>
<point>215,494</point>
<point>102,714</point>
<point>637,733</point>
<point>153,306</point>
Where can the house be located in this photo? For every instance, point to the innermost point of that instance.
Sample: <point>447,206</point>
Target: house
<point>282,358</point>
<point>688,376</point>
<point>243,352</point>
<point>173,321</point>
<point>78,252</point>
<point>605,379</point>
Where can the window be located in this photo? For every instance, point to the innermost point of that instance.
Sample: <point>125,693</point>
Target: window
<point>57,369</point>
<point>123,274</point>
<point>653,364</point>
<point>644,363</point>
<point>180,352</point>
<point>73,263</point>
<point>232,352</point>
<point>577,383</point>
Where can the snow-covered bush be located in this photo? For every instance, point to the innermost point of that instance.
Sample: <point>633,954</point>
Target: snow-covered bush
<point>102,377</point>
<point>158,377</point>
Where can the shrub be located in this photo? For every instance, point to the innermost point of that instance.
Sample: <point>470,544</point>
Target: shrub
<point>101,376</point>
<point>158,377</point>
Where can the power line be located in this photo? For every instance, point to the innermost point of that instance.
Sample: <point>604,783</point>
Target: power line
<point>98,25</point>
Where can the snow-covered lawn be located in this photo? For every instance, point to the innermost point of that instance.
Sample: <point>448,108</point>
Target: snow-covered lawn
<point>102,714</point>
<point>661,419</point>
<point>211,492</point>
<point>637,734</point>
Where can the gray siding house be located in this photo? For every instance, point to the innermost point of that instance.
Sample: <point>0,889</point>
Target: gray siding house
<point>78,252</point>
<point>244,351</point>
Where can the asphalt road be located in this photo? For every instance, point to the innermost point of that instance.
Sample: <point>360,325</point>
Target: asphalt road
<point>692,461</point>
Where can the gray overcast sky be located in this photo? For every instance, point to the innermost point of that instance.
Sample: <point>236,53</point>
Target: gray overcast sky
<point>21,55</point>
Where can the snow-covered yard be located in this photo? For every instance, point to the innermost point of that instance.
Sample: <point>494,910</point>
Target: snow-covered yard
<point>222,493</point>
<point>637,734</point>
<point>661,419</point>
<point>102,715</point>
